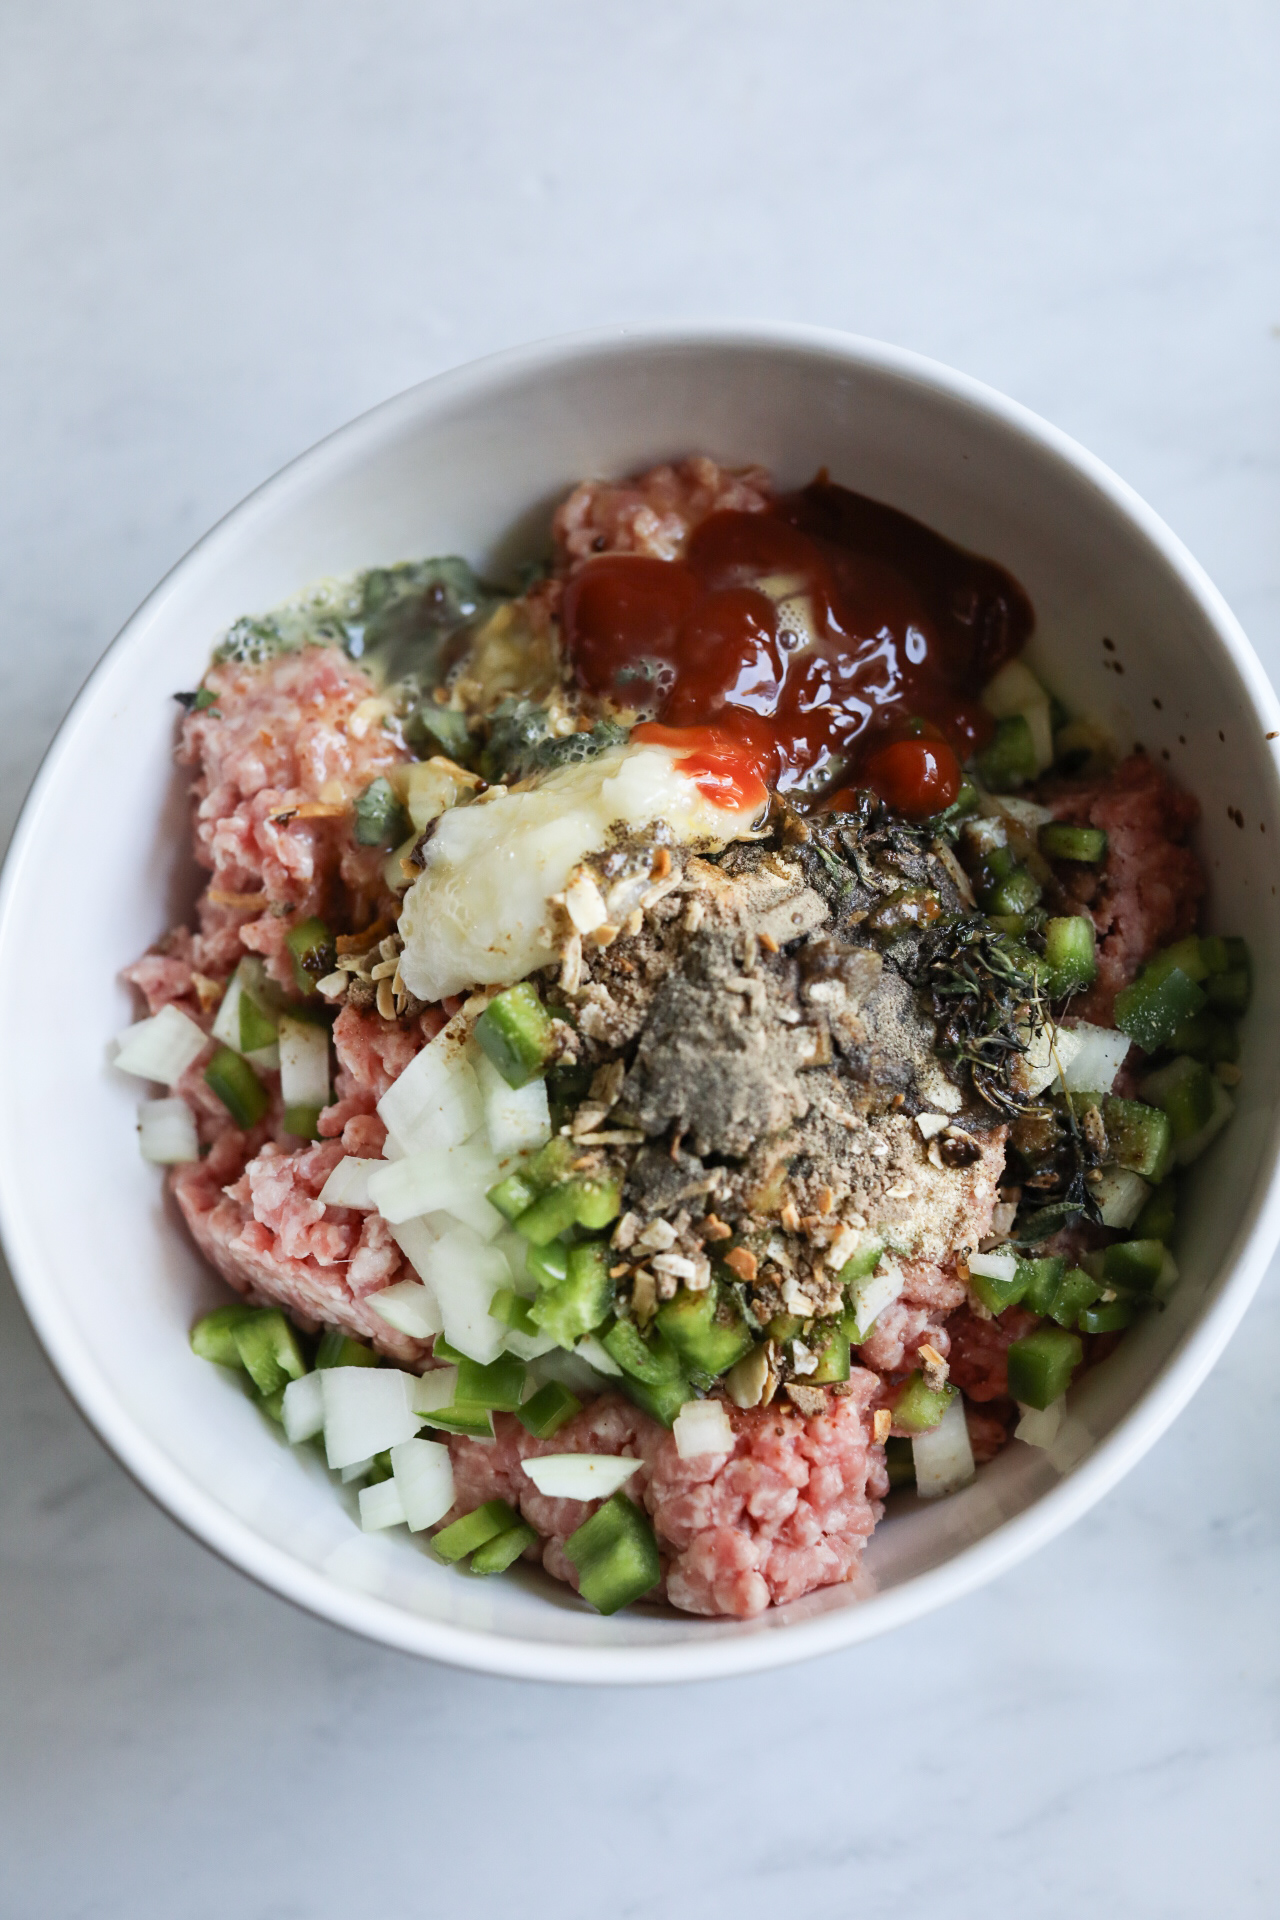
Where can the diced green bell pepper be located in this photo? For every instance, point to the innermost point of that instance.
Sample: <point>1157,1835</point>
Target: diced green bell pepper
<point>1133,1266</point>
<point>863,1262</point>
<point>380,1468</point>
<point>1041,1365</point>
<point>655,1379</point>
<point>918,1408</point>
<point>303,1122</point>
<point>1183,1090</point>
<point>511,1309</point>
<point>1230,992</point>
<point>496,1555</point>
<point>340,1350</point>
<point>312,951</point>
<point>515,1032</point>
<point>996,1295</point>
<point>1070,957</point>
<point>1010,760</point>
<point>784,1327</point>
<point>706,1329</point>
<point>831,1344</point>
<point>441,1350</point>
<point>1141,1137</point>
<point>1014,896</point>
<point>1108,1316</point>
<point>498,1386</point>
<point>581,1201</point>
<point>547,1265</point>
<point>1159,1216</point>
<point>258,1027</point>
<point>484,1523</point>
<point>238,1087</point>
<point>512,1196</point>
<point>476,1423</point>
<point>380,820</point>
<point>269,1350</point>
<point>1074,1292</point>
<point>582,1300</point>
<point>213,1335</point>
<point>1061,842</point>
<point>546,1411</point>
<point>1191,956</point>
<point>1150,1010</point>
<point>615,1554</point>
<point>1206,1036</point>
<point>1040,1282</point>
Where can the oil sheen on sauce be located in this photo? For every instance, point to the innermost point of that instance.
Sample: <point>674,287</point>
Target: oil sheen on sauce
<point>826,642</point>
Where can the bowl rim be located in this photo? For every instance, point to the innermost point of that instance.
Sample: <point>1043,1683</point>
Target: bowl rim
<point>494,1652</point>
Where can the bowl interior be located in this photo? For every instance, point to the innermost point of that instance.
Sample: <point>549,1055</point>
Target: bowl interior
<point>1127,632</point>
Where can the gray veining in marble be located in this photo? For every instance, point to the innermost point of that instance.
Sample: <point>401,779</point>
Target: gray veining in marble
<point>225,229</point>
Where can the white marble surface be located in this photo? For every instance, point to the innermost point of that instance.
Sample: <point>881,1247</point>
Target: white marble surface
<point>228,228</point>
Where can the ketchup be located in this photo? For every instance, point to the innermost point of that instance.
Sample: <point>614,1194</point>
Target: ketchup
<point>829,640</point>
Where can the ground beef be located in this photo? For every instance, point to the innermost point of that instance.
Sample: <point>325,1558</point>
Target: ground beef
<point>980,1348</point>
<point>1149,890</point>
<point>654,513</point>
<point>269,1237</point>
<point>302,732</point>
<point>789,1510</point>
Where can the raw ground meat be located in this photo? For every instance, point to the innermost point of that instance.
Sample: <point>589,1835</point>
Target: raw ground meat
<point>278,763</point>
<point>654,513</point>
<point>789,1510</point>
<point>1151,883</point>
<point>980,1350</point>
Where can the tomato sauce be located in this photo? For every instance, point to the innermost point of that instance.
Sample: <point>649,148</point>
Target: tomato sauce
<point>828,641</point>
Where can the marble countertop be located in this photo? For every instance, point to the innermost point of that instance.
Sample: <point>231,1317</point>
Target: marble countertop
<point>226,230</point>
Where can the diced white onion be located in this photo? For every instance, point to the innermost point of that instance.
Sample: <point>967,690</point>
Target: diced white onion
<point>943,1457</point>
<point>415,1239</point>
<point>1223,1108</point>
<point>161,1048</point>
<point>436,1388</point>
<point>570,1369</point>
<point>1098,1058</point>
<point>1038,1426</point>
<point>304,1063</point>
<point>701,1427</point>
<point>410,1308</point>
<point>423,1476</point>
<point>527,1346</point>
<point>993,1266</point>
<point>434,1181</point>
<point>356,1471</point>
<point>869,1296</point>
<point>366,1410</point>
<point>381,1506</point>
<point>1121,1195</point>
<point>226,1024</point>
<point>303,1409</point>
<point>1049,1052</point>
<point>436,1101</point>
<point>579,1476</point>
<point>465,1273</point>
<point>348,1184</point>
<point>167,1132</point>
<point>516,1119</point>
<point>597,1355</point>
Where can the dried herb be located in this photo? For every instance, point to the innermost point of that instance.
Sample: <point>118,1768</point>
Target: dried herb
<point>981,988</point>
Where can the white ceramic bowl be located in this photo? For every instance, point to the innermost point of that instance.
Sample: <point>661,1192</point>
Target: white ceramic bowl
<point>1129,629</point>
